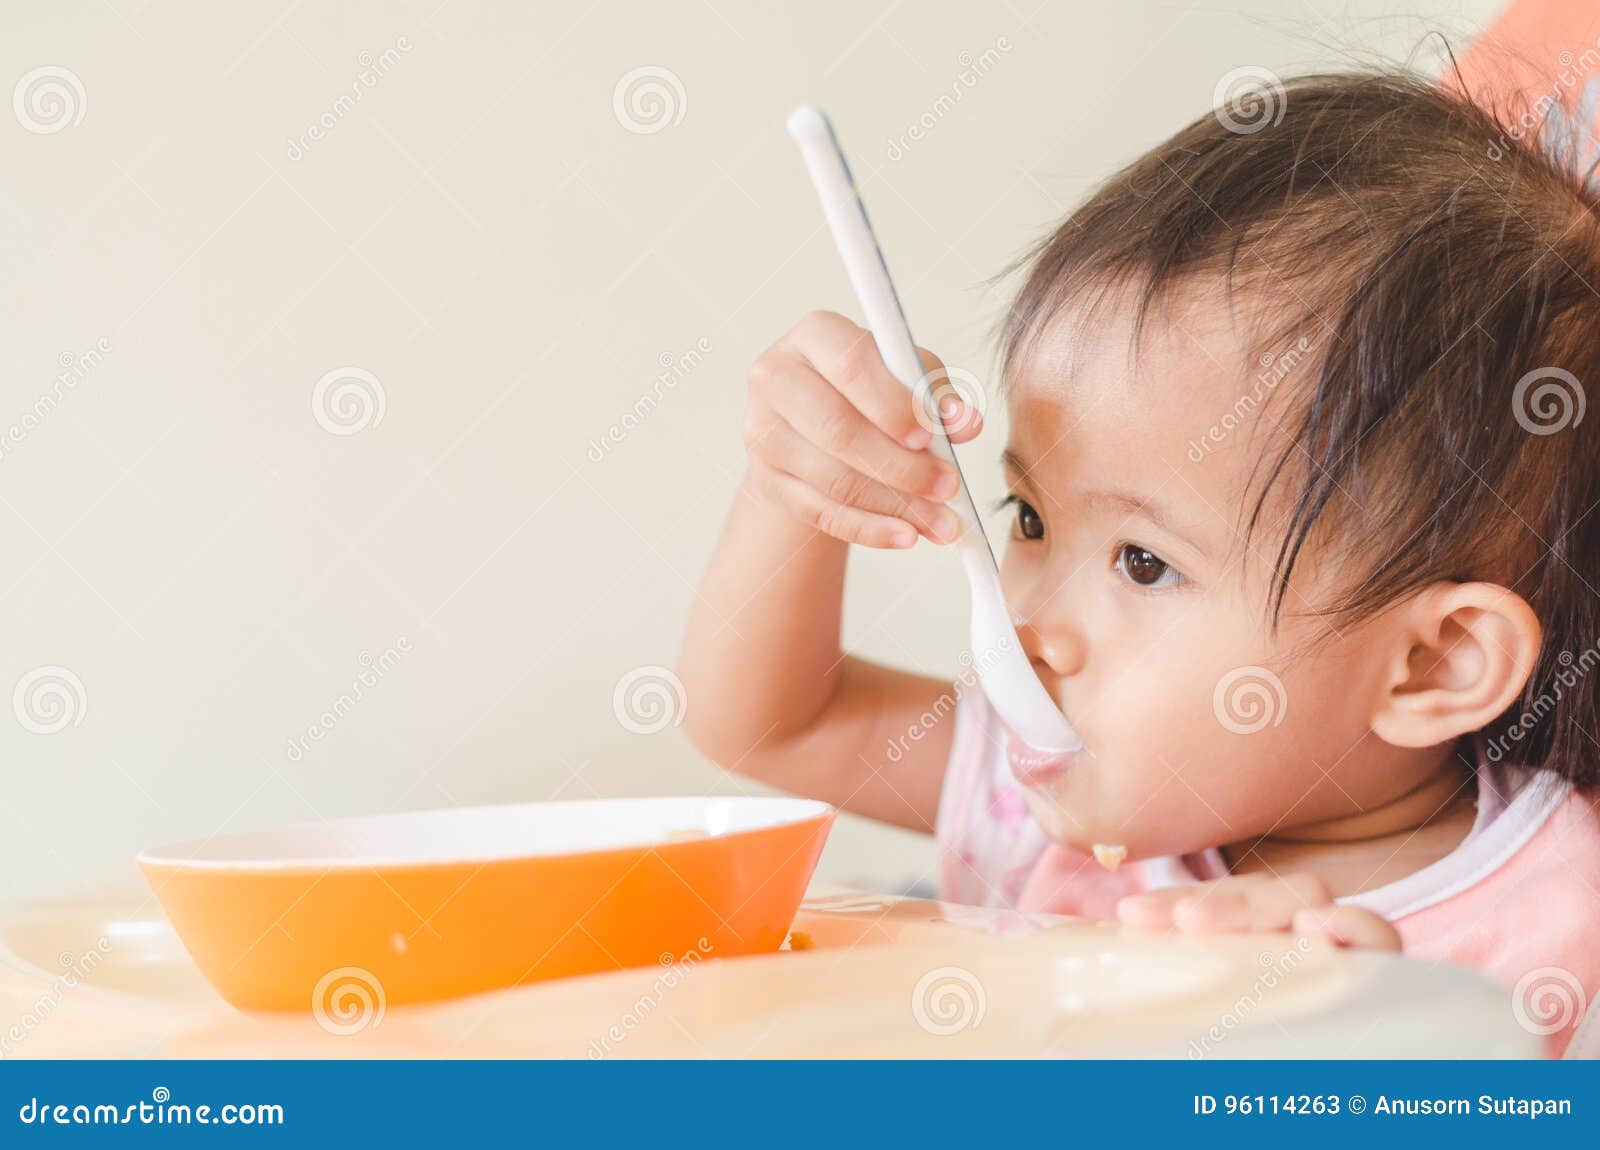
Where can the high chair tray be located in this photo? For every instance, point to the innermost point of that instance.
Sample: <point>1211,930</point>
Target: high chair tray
<point>863,976</point>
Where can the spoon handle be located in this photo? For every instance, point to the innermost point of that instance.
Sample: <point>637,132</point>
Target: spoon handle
<point>1002,666</point>
<point>869,275</point>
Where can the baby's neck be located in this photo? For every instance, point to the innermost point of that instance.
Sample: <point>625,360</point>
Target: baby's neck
<point>1370,848</point>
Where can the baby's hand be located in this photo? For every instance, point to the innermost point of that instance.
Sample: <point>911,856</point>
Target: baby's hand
<point>1298,903</point>
<point>835,438</point>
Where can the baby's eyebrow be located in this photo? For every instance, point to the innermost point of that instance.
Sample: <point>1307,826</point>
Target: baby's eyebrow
<point>1011,459</point>
<point>1145,507</point>
<point>1118,499</point>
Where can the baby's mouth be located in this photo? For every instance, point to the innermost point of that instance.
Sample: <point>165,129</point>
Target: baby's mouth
<point>1033,767</point>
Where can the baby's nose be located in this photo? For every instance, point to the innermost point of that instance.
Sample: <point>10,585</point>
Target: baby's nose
<point>1053,641</point>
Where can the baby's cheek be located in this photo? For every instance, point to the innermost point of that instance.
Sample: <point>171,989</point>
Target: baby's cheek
<point>1181,761</point>
<point>1162,719</point>
<point>1256,764</point>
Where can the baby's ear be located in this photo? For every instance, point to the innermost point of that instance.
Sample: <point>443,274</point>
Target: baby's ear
<point>1462,654</point>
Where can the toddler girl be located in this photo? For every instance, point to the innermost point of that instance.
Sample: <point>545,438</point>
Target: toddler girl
<point>1304,540</point>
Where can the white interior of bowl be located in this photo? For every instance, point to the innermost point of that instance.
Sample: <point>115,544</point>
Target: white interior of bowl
<point>481,834</point>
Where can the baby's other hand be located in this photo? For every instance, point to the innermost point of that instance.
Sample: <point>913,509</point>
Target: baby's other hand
<point>834,437</point>
<point>1299,904</point>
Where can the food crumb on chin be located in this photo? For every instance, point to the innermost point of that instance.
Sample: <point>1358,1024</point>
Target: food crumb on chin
<point>1110,856</point>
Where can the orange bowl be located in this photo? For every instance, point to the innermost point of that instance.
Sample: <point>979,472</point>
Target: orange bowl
<point>416,906</point>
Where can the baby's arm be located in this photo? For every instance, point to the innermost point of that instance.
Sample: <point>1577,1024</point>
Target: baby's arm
<point>836,457</point>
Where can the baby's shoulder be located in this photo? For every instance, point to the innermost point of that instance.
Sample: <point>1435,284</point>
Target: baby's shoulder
<point>1525,896</point>
<point>1555,985</point>
<point>1562,859</point>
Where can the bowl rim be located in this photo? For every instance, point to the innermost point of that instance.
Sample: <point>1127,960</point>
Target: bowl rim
<point>787,811</point>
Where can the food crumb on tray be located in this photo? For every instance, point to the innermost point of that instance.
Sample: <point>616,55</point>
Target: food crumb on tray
<point>1110,855</point>
<point>800,940</point>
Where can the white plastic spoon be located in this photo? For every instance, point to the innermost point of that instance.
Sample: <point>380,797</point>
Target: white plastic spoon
<point>1001,664</point>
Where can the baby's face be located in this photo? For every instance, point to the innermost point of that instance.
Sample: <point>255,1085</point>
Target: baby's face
<point>1146,615</point>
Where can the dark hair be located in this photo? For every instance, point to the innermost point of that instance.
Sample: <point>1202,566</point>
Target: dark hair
<point>1448,263</point>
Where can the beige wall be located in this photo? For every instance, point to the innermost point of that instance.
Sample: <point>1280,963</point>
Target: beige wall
<point>481,234</point>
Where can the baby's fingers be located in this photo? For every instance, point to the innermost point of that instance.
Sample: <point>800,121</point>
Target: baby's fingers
<point>788,452</point>
<point>847,357</point>
<point>1248,902</point>
<point>850,524</point>
<point>1186,907</point>
<point>1251,903</point>
<point>1351,926</point>
<point>1151,909</point>
<point>811,406</point>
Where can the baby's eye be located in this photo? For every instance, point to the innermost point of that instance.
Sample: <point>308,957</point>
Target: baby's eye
<point>1145,568</point>
<point>1028,525</point>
